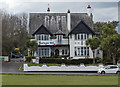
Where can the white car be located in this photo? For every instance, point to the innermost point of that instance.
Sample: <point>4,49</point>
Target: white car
<point>109,69</point>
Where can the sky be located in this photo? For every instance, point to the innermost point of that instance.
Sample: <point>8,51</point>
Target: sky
<point>102,11</point>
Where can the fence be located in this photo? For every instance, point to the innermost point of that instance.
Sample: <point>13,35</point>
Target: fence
<point>61,68</point>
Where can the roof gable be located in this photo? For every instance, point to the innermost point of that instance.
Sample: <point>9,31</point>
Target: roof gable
<point>82,27</point>
<point>42,30</point>
<point>59,33</point>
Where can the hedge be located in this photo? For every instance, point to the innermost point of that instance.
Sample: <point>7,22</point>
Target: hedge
<point>29,58</point>
<point>65,61</point>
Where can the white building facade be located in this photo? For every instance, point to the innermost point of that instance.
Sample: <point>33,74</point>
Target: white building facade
<point>63,35</point>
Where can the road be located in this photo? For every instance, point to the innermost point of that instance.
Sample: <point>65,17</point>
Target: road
<point>15,64</point>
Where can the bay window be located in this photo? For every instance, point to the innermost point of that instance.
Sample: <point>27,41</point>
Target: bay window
<point>43,52</point>
<point>81,51</point>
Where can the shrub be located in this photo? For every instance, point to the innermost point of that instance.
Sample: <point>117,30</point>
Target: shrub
<point>107,61</point>
<point>98,60</point>
<point>65,61</point>
<point>64,56</point>
<point>29,58</point>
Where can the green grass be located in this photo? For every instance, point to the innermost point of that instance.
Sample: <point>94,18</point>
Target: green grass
<point>58,80</point>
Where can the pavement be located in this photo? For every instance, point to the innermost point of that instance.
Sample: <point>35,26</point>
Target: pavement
<point>13,66</point>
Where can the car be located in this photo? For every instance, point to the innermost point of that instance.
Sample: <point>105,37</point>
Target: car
<point>109,69</point>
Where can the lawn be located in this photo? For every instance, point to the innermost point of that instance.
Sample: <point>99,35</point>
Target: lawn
<point>59,80</point>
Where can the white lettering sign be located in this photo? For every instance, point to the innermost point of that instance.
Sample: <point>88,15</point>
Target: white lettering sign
<point>45,43</point>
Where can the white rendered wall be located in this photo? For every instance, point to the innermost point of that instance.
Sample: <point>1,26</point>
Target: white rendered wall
<point>61,68</point>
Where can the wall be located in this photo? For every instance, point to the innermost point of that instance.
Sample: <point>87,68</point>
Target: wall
<point>61,68</point>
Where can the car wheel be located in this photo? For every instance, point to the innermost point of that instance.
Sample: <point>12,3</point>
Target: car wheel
<point>118,72</point>
<point>103,72</point>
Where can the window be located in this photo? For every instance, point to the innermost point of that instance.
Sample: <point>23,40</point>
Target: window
<point>78,51</point>
<point>44,52</point>
<point>59,39</point>
<point>78,36</point>
<point>81,51</point>
<point>42,37</point>
<point>47,37</point>
<point>81,42</point>
<point>113,67</point>
<point>87,51</point>
<point>75,36</point>
<point>98,52</point>
<point>81,36</point>
<point>75,51</point>
<point>85,36</point>
<point>64,52</point>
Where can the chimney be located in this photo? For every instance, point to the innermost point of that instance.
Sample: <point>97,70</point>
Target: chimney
<point>89,10</point>
<point>69,20</point>
<point>48,10</point>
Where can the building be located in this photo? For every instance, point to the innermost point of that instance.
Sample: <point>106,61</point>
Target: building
<point>62,34</point>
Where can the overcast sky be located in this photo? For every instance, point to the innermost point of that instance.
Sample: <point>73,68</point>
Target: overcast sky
<point>102,11</point>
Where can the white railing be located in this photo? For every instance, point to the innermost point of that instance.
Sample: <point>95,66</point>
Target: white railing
<point>65,41</point>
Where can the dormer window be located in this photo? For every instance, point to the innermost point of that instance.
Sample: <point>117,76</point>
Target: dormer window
<point>59,37</point>
<point>43,37</point>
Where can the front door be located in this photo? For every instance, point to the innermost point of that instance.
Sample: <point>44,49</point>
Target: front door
<point>56,53</point>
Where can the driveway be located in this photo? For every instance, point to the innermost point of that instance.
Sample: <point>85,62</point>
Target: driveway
<point>12,66</point>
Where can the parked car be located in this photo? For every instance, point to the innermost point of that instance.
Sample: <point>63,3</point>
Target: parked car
<point>109,69</point>
<point>16,55</point>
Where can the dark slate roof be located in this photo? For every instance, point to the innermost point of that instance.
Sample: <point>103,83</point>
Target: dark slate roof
<point>59,32</point>
<point>82,27</point>
<point>37,19</point>
<point>42,30</point>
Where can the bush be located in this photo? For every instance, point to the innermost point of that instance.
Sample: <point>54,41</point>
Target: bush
<point>64,56</point>
<point>65,61</point>
<point>107,61</point>
<point>29,58</point>
<point>98,60</point>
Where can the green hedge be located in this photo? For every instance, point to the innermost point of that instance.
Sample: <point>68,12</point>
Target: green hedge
<point>29,58</point>
<point>65,61</point>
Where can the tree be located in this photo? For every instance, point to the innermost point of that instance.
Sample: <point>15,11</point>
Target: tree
<point>98,25</point>
<point>14,32</point>
<point>110,41</point>
<point>32,46</point>
<point>94,44</point>
<point>115,46</point>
